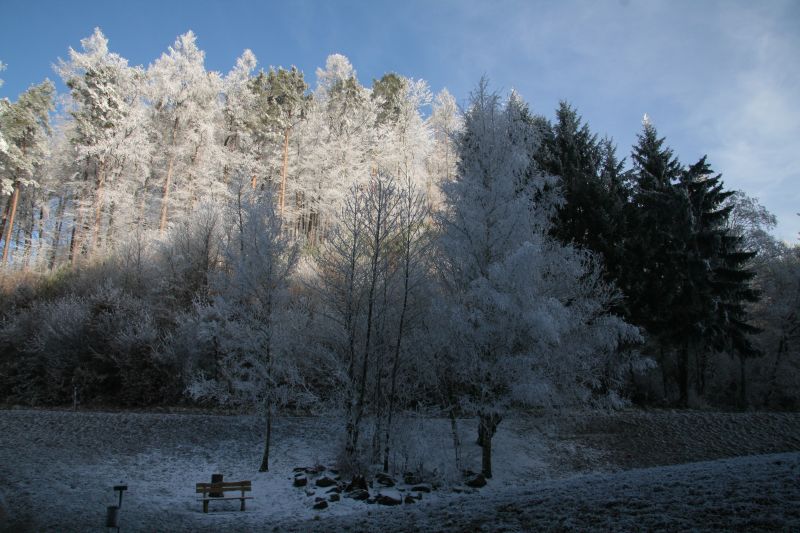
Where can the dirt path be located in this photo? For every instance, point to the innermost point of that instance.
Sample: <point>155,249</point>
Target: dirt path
<point>636,439</point>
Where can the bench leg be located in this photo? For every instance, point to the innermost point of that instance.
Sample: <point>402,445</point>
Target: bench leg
<point>242,507</point>
<point>205,506</point>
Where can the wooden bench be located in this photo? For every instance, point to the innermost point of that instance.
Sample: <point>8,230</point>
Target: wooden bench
<point>207,489</point>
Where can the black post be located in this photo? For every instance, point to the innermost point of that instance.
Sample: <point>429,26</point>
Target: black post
<point>216,478</point>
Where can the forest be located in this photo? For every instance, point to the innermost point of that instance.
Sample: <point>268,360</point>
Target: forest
<point>262,242</point>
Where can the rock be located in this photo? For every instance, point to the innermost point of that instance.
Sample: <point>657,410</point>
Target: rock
<point>411,478</point>
<point>300,481</point>
<point>476,482</point>
<point>389,497</point>
<point>321,505</point>
<point>334,497</point>
<point>370,500</point>
<point>299,469</point>
<point>333,471</point>
<point>384,480</point>
<point>319,499</point>
<point>325,482</point>
<point>409,499</point>
<point>358,483</point>
<point>336,489</point>
<point>317,469</point>
<point>422,487</point>
<point>359,494</point>
<point>309,492</point>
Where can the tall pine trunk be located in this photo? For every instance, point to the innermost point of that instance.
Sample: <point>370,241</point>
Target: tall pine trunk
<point>10,222</point>
<point>683,376</point>
<point>742,382</point>
<point>98,206</point>
<point>284,168</point>
<point>162,221</point>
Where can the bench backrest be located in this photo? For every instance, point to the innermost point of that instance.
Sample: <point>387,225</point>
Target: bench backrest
<point>241,486</point>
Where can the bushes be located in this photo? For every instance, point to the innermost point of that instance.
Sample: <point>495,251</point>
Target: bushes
<point>104,343</point>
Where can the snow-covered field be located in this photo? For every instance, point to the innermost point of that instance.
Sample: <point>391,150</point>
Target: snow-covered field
<point>618,471</point>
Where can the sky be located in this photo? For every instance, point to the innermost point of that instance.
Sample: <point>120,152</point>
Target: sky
<point>720,78</point>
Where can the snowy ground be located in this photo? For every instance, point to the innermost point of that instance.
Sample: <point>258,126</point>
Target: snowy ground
<point>571,471</point>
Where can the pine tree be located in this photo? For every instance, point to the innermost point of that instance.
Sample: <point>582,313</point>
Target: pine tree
<point>280,104</point>
<point>25,125</point>
<point>654,247</point>
<point>105,133</point>
<point>718,283</point>
<point>591,181</point>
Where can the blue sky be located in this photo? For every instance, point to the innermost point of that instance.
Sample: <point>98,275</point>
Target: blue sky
<point>716,77</point>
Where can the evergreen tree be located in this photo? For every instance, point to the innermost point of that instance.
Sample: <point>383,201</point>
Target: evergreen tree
<point>389,92</point>
<point>25,125</point>
<point>590,175</point>
<point>718,284</point>
<point>280,104</point>
<point>653,247</point>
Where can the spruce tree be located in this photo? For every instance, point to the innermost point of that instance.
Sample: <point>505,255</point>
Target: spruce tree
<point>591,180</point>
<point>654,248</point>
<point>718,286</point>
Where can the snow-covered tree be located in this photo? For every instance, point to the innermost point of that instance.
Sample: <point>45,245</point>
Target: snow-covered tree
<point>25,125</point>
<point>239,144</point>
<point>280,105</point>
<point>108,134</point>
<point>445,122</point>
<point>340,137</point>
<point>529,316</point>
<point>185,103</point>
<point>251,326</point>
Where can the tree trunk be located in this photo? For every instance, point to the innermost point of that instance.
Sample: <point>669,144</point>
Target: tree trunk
<point>10,222</point>
<point>742,382</point>
<point>98,206</point>
<point>162,222</point>
<point>773,381</point>
<point>359,407</point>
<point>683,376</point>
<point>456,438</point>
<point>5,217</point>
<point>265,458</point>
<point>57,237</point>
<point>284,168</point>
<point>489,426</point>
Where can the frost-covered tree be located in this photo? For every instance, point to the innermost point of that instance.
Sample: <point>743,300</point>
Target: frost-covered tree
<point>185,102</point>
<point>340,136</point>
<point>240,152</point>
<point>445,122</point>
<point>252,326</point>
<point>530,320</point>
<point>280,105</point>
<point>25,125</point>
<point>108,133</point>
